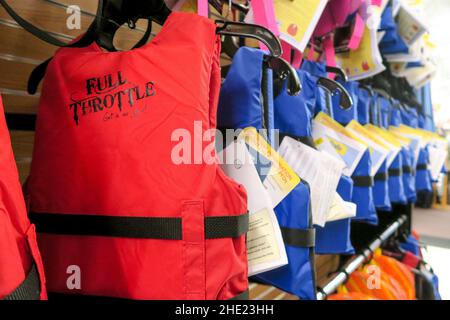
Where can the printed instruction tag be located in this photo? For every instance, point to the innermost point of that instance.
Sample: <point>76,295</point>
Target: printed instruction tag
<point>298,19</point>
<point>320,170</point>
<point>265,246</point>
<point>416,141</point>
<point>347,146</point>
<point>278,177</point>
<point>378,150</point>
<point>394,146</point>
<point>341,209</point>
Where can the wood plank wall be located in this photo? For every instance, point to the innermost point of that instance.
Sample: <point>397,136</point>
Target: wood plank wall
<point>21,52</point>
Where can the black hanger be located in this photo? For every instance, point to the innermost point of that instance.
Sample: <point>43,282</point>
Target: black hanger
<point>332,86</point>
<point>283,70</point>
<point>114,13</point>
<point>254,31</point>
<point>338,71</point>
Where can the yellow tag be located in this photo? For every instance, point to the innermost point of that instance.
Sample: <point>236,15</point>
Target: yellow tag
<point>295,18</point>
<point>356,126</point>
<point>340,147</point>
<point>318,142</point>
<point>403,140</point>
<point>329,122</point>
<point>280,172</point>
<point>386,135</point>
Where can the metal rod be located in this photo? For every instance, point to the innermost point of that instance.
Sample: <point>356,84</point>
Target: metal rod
<point>359,260</point>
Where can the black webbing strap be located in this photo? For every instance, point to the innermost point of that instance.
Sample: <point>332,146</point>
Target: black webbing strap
<point>135,227</point>
<point>363,181</point>
<point>422,166</point>
<point>41,34</point>
<point>309,141</point>
<point>407,170</point>
<point>242,296</point>
<point>395,172</point>
<point>381,176</point>
<point>226,226</point>
<point>302,238</point>
<point>29,289</point>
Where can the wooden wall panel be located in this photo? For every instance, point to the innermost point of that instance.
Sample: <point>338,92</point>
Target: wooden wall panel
<point>25,104</point>
<point>14,75</point>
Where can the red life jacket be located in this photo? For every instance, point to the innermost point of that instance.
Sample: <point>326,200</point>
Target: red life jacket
<point>21,270</point>
<point>116,216</point>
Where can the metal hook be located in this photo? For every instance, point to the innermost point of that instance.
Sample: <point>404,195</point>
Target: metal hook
<point>131,24</point>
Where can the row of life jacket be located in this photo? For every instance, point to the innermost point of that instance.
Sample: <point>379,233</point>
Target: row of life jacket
<point>247,99</point>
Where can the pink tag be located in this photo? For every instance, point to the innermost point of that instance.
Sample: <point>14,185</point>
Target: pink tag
<point>358,33</point>
<point>330,54</point>
<point>264,15</point>
<point>203,8</point>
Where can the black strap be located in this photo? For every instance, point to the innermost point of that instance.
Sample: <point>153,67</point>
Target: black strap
<point>29,289</point>
<point>381,176</point>
<point>422,166</point>
<point>407,170</point>
<point>395,172</point>
<point>135,227</point>
<point>309,141</point>
<point>226,226</point>
<point>242,296</point>
<point>20,121</point>
<point>363,181</point>
<point>302,238</point>
<point>41,34</point>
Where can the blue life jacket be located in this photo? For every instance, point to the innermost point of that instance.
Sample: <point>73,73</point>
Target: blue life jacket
<point>412,245</point>
<point>391,43</point>
<point>362,181</point>
<point>334,237</point>
<point>368,113</point>
<point>423,176</point>
<point>395,171</point>
<point>291,118</point>
<point>408,172</point>
<point>344,117</point>
<point>364,106</point>
<point>240,103</point>
<point>241,106</point>
<point>409,179</point>
<point>410,117</point>
<point>381,189</point>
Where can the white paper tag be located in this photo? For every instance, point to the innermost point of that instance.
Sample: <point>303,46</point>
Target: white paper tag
<point>341,209</point>
<point>378,154</point>
<point>320,170</point>
<point>437,161</point>
<point>350,151</point>
<point>265,244</point>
